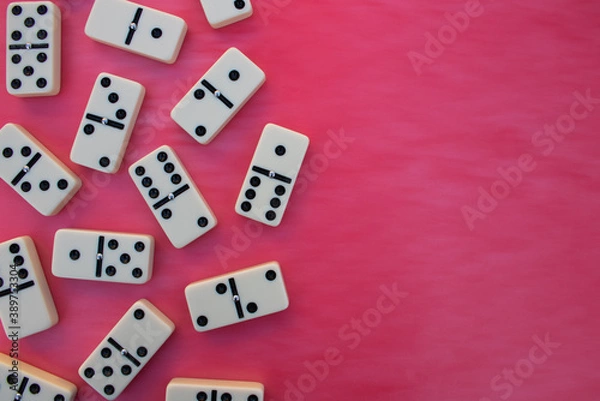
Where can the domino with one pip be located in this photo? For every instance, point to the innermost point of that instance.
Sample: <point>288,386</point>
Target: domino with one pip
<point>26,305</point>
<point>107,123</point>
<point>24,382</point>
<point>33,48</point>
<point>137,29</point>
<point>218,96</point>
<point>103,256</point>
<point>180,389</point>
<point>235,297</point>
<point>220,13</point>
<point>127,348</point>
<point>272,175</point>
<point>172,196</point>
<point>33,172</point>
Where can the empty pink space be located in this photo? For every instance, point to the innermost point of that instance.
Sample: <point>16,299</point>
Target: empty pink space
<point>442,239</point>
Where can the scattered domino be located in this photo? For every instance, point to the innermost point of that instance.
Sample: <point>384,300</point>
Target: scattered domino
<point>126,349</point>
<point>24,382</point>
<point>35,173</point>
<point>218,96</point>
<point>235,297</point>
<point>180,389</point>
<point>33,52</point>
<point>107,123</point>
<point>103,256</point>
<point>172,196</point>
<point>272,175</point>
<point>137,29</point>
<point>220,13</point>
<point>26,305</point>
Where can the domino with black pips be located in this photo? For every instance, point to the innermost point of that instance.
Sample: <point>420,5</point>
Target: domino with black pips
<point>183,389</point>
<point>107,123</point>
<point>220,13</point>
<point>103,256</point>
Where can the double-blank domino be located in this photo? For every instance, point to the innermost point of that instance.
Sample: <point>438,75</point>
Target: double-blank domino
<point>218,96</point>
<point>137,29</point>
<point>107,123</point>
<point>33,48</point>
<point>235,297</point>
<point>172,196</point>
<point>220,13</point>
<point>127,348</point>
<point>180,389</point>
<point>26,305</point>
<point>272,175</point>
<point>103,256</point>
<point>33,172</point>
<point>23,382</point>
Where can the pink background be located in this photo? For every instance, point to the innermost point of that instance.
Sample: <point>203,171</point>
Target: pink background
<point>384,208</point>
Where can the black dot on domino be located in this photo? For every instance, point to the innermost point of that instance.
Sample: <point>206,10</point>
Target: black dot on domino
<point>139,314</point>
<point>201,396</point>
<point>126,370</point>
<point>139,246</point>
<point>202,222</point>
<point>270,215</point>
<point>169,168</point>
<point>44,185</point>
<point>199,94</point>
<point>226,397</point>
<point>252,307</point>
<point>107,371</point>
<point>234,75</point>
<point>280,190</point>
<point>28,71</point>
<point>15,83</point>
<point>105,82</point>
<point>125,258</point>
<point>270,275</point>
<point>106,352</point>
<point>41,83</point>
<point>62,184</point>
<point>17,10</point>
<point>1,282</point>
<point>29,22</point>
<point>42,57</point>
<point>142,352</point>
<point>16,35</point>
<point>109,390</point>
<point>113,97</point>
<point>280,150</point>
<point>25,151</point>
<point>89,373</point>
<point>200,130</point>
<point>121,114</point>
<point>202,321</point>
<point>42,34</point>
<point>23,273</point>
<point>175,179</point>
<point>246,206</point>
<point>12,378</point>
<point>42,9</point>
<point>7,152</point>
<point>59,397</point>
<point>153,193</point>
<point>88,129</point>
<point>14,248</point>
<point>166,214</point>
<point>162,157</point>
<point>26,187</point>
<point>18,261</point>
<point>252,397</point>
<point>113,244</point>
<point>137,272</point>
<point>275,203</point>
<point>110,271</point>
<point>250,194</point>
<point>156,33</point>
<point>74,254</point>
<point>146,182</point>
<point>16,59</point>
<point>140,171</point>
<point>221,288</point>
<point>104,162</point>
<point>239,4</point>
<point>255,181</point>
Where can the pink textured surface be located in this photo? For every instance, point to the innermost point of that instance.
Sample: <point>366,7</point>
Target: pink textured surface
<point>384,209</point>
